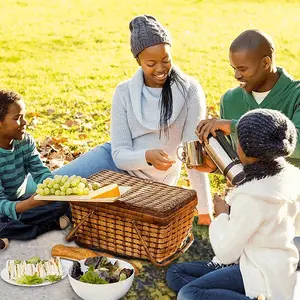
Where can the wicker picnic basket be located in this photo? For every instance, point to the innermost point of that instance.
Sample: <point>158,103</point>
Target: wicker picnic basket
<point>150,221</point>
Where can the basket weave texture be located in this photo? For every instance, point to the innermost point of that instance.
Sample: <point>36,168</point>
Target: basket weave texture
<point>151,221</point>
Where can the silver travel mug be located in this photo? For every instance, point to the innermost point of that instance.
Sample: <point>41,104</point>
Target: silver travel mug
<point>193,153</point>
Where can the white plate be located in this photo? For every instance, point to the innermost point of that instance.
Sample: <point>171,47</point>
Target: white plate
<point>4,276</point>
<point>86,198</point>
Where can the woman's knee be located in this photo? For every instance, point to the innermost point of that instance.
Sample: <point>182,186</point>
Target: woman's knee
<point>89,163</point>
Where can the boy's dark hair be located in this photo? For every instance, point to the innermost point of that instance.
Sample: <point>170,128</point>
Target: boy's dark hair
<point>7,98</point>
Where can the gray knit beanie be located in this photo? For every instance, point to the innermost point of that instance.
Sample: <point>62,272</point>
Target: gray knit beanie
<point>266,134</point>
<point>146,31</point>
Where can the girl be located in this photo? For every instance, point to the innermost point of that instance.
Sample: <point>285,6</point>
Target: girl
<point>152,114</point>
<point>258,233</point>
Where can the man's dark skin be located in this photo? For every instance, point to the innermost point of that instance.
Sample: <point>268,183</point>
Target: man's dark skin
<point>251,56</point>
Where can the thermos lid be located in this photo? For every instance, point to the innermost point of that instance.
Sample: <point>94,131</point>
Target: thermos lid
<point>239,178</point>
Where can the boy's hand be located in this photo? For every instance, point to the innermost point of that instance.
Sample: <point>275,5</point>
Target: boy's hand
<point>36,203</point>
<point>205,127</point>
<point>220,206</point>
<point>29,203</point>
<point>159,159</point>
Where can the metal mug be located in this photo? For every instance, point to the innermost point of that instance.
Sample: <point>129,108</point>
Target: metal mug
<point>193,153</point>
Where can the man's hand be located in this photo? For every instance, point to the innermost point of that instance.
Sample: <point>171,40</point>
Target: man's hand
<point>220,206</point>
<point>205,127</point>
<point>159,159</point>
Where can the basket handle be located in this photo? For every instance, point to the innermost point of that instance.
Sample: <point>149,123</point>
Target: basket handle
<point>166,262</point>
<point>71,234</point>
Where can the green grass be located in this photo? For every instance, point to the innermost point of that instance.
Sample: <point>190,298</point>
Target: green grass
<point>68,55</point>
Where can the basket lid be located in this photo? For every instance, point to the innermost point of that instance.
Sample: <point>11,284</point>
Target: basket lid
<point>145,195</point>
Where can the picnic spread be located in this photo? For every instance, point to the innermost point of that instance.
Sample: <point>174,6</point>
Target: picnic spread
<point>148,221</point>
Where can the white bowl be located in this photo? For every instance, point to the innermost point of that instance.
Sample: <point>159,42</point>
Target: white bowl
<point>110,291</point>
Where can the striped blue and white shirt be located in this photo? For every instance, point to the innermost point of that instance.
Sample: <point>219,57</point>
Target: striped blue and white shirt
<point>15,165</point>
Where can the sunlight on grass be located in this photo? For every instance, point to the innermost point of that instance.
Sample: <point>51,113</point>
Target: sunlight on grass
<point>69,55</point>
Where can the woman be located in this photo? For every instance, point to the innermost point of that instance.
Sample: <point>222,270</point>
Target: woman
<point>152,114</point>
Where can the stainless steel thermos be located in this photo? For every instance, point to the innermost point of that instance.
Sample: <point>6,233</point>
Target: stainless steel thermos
<point>226,159</point>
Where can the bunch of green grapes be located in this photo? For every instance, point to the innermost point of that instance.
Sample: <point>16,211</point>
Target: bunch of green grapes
<point>64,186</point>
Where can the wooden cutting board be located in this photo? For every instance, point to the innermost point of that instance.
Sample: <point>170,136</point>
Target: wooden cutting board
<point>84,198</point>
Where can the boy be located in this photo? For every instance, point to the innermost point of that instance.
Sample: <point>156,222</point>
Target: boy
<point>22,217</point>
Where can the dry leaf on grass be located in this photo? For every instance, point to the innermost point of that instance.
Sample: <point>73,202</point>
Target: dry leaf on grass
<point>70,123</point>
<point>54,153</point>
<point>50,111</point>
<point>82,136</point>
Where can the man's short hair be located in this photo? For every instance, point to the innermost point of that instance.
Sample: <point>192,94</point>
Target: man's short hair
<point>254,40</point>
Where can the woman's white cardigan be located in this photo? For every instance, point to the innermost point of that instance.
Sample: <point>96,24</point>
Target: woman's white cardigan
<point>135,129</point>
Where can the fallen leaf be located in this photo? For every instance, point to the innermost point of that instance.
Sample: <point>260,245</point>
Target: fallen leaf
<point>33,114</point>
<point>79,115</point>
<point>46,142</point>
<point>70,123</point>
<point>82,136</point>
<point>50,111</point>
<point>56,155</point>
<point>56,163</point>
<point>60,140</point>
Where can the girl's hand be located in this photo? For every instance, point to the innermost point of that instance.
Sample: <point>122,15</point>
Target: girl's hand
<point>220,206</point>
<point>159,159</point>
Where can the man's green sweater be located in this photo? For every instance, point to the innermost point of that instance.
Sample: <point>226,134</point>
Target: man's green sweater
<point>284,96</point>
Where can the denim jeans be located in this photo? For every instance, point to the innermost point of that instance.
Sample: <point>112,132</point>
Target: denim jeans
<point>89,163</point>
<point>206,281</point>
<point>33,222</point>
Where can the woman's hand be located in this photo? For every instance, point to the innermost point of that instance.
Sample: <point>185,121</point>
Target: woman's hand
<point>220,206</point>
<point>159,159</point>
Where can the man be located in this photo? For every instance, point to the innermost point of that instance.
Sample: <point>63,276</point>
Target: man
<point>262,85</point>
